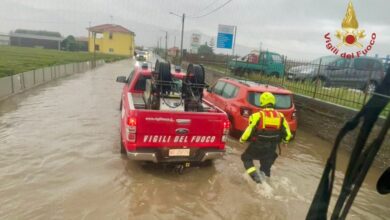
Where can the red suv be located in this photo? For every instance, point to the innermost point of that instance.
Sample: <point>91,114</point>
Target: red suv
<point>239,99</point>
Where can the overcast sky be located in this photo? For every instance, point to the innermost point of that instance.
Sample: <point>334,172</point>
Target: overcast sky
<point>291,27</point>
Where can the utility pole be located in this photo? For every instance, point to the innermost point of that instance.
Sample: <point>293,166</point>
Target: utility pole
<point>261,45</point>
<point>174,42</point>
<point>182,33</point>
<point>94,50</point>
<point>166,45</point>
<point>234,42</point>
<point>181,42</point>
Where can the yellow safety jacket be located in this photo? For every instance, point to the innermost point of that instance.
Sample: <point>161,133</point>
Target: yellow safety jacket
<point>267,125</point>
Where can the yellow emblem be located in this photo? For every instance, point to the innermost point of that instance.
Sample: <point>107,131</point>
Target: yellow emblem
<point>350,34</point>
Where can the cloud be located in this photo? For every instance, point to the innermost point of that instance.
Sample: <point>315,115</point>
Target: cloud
<point>294,28</point>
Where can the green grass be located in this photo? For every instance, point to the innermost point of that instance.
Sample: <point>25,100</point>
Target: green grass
<point>342,96</point>
<point>15,60</point>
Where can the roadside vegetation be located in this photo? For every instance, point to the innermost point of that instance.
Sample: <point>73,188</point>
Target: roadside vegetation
<point>347,97</point>
<point>14,60</point>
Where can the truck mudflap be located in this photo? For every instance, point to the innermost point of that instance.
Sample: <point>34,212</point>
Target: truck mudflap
<point>162,155</point>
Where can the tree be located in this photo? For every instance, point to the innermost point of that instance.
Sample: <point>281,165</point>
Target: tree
<point>212,42</point>
<point>205,50</point>
<point>70,44</point>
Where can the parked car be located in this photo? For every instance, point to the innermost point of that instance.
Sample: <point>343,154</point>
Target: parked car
<point>239,99</point>
<point>359,73</point>
<point>268,63</point>
<point>164,131</point>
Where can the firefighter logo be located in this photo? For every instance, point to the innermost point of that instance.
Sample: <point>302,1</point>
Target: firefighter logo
<point>350,33</point>
<point>350,36</point>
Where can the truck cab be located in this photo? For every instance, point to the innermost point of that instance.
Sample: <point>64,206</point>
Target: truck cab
<point>268,63</point>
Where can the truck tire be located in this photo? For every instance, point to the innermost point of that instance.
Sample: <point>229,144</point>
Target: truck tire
<point>207,163</point>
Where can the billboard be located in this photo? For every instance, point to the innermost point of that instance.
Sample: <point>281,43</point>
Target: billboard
<point>225,36</point>
<point>195,42</point>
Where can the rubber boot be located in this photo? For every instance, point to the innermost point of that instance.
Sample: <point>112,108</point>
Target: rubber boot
<point>262,175</point>
<point>255,177</point>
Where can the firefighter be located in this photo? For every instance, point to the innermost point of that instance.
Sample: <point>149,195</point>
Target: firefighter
<point>266,129</point>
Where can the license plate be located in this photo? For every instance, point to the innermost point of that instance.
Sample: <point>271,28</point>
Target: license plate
<point>179,152</point>
<point>289,76</point>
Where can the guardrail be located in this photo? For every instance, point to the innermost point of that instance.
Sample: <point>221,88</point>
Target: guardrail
<point>10,85</point>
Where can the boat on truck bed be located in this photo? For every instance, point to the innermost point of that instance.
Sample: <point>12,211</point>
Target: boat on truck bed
<point>163,121</point>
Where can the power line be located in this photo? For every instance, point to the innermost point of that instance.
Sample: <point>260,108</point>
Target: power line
<point>209,5</point>
<point>216,9</point>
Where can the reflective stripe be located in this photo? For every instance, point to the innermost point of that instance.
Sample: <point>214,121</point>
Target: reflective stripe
<point>253,120</point>
<point>273,122</point>
<point>251,170</point>
<point>262,119</point>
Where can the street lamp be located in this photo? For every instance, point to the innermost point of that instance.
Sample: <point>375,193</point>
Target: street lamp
<point>166,44</point>
<point>182,33</point>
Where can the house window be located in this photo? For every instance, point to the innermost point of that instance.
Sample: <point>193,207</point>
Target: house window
<point>98,35</point>
<point>111,50</point>
<point>110,35</point>
<point>97,47</point>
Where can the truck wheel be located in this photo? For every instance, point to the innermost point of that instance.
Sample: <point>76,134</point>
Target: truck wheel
<point>207,163</point>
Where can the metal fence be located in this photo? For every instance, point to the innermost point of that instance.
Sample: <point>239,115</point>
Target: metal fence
<point>345,82</point>
<point>16,83</point>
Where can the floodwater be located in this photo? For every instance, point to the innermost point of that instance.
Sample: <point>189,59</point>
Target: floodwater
<point>60,159</point>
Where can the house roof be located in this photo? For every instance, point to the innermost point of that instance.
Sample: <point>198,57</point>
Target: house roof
<point>33,36</point>
<point>109,28</point>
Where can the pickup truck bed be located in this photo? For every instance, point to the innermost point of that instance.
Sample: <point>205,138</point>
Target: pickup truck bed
<point>170,134</point>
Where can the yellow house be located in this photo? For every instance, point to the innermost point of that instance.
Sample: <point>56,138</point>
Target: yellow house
<point>111,39</point>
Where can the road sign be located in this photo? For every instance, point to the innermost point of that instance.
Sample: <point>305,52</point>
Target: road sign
<point>225,36</point>
<point>195,42</point>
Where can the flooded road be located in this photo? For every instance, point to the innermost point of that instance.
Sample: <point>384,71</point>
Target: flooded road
<point>60,159</point>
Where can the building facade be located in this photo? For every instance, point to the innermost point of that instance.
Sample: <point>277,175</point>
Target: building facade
<point>173,52</point>
<point>4,39</point>
<point>35,40</point>
<point>111,39</point>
